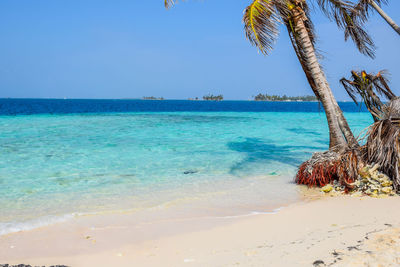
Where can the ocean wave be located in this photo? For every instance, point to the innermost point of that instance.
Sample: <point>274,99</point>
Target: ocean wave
<point>14,227</point>
<point>253,213</point>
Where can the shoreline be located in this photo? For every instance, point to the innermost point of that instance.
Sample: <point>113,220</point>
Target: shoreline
<point>300,233</point>
<point>39,223</point>
<point>205,201</point>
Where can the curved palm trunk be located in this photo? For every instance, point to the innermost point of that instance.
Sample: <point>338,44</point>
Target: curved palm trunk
<point>344,126</point>
<point>321,88</point>
<point>385,16</point>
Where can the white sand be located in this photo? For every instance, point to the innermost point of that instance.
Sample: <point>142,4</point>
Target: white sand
<point>342,230</point>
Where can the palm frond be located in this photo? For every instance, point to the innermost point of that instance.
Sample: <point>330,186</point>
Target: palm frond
<point>381,82</point>
<point>283,7</point>
<point>349,86</point>
<point>261,24</point>
<point>383,148</point>
<point>362,8</point>
<point>351,22</point>
<point>369,87</point>
<point>327,167</point>
<point>391,111</point>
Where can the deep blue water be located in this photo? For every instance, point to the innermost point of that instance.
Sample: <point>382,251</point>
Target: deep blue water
<point>66,106</point>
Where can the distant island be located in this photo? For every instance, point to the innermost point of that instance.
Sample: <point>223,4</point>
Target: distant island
<point>266,97</point>
<point>152,98</point>
<point>259,97</point>
<point>213,97</point>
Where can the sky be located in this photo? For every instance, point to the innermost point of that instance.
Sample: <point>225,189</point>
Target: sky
<point>131,49</point>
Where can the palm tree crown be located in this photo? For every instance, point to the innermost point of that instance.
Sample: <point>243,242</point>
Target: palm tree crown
<point>369,86</point>
<point>262,17</point>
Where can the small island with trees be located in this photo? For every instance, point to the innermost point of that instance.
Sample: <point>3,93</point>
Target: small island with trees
<point>266,97</point>
<point>152,98</point>
<point>213,97</point>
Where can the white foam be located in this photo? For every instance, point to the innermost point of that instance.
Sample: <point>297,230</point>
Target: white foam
<point>253,213</point>
<point>14,227</point>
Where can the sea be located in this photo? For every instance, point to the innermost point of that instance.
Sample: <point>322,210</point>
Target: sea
<point>63,158</point>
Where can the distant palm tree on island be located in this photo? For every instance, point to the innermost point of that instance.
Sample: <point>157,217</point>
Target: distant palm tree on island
<point>266,97</point>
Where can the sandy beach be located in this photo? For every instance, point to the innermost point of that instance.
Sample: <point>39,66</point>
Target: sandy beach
<point>181,133</point>
<point>339,231</point>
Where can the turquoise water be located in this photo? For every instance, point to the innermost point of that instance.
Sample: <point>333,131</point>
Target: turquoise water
<point>54,166</point>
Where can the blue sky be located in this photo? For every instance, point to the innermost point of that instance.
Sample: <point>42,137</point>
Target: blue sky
<point>130,49</point>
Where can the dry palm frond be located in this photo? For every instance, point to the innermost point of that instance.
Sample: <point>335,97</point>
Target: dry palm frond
<point>362,8</point>
<point>317,171</point>
<point>369,87</point>
<point>382,147</point>
<point>391,110</point>
<point>324,168</point>
<point>348,167</point>
<point>261,24</point>
<point>382,85</point>
<point>349,20</point>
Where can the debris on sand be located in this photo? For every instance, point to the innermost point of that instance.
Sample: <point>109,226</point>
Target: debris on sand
<point>370,182</point>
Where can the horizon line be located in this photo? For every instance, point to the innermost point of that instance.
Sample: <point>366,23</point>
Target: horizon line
<point>165,99</point>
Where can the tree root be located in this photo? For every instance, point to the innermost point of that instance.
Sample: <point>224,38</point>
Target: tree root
<point>327,167</point>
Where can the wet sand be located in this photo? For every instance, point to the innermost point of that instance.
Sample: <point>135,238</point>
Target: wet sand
<point>343,231</point>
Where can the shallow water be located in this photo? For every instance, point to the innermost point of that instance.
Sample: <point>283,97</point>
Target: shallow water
<point>52,166</point>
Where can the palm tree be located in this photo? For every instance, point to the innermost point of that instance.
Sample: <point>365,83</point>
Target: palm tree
<point>369,86</point>
<point>262,18</point>
<point>363,7</point>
